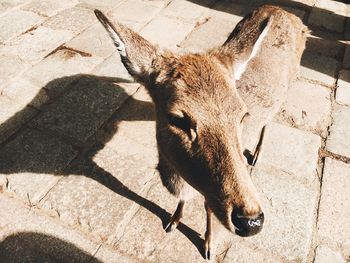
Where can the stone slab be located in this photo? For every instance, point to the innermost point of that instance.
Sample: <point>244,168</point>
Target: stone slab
<point>48,8</point>
<point>28,236</point>
<point>16,22</point>
<point>307,107</point>
<point>334,210</point>
<point>167,32</point>
<point>290,213</point>
<point>61,68</point>
<point>325,255</point>
<point>326,19</point>
<point>346,60</point>
<point>33,163</point>
<point>142,12</point>
<point>10,66</point>
<point>74,19</point>
<point>103,192</point>
<point>343,89</point>
<point>318,68</point>
<point>36,44</point>
<point>198,40</point>
<point>25,93</point>
<point>325,47</point>
<point>104,5</point>
<point>93,40</point>
<point>80,112</point>
<point>291,150</point>
<point>338,140</point>
<point>187,10</point>
<point>12,116</point>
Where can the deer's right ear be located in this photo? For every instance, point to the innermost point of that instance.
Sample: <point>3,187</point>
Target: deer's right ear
<point>136,53</point>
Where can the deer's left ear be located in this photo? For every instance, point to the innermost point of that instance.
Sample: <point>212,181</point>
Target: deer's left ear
<point>243,44</point>
<point>136,53</point>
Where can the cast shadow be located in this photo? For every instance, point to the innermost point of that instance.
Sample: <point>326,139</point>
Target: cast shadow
<point>37,247</point>
<point>94,94</point>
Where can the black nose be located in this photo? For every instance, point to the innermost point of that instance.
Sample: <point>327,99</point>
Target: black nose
<point>247,226</point>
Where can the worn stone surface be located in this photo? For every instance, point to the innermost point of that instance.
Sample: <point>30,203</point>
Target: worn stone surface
<point>338,140</point>
<point>103,192</point>
<point>187,10</point>
<point>198,40</point>
<point>307,107</point>
<point>94,40</point>
<point>83,110</point>
<point>346,60</point>
<point>28,235</point>
<point>103,5</point>
<point>61,68</point>
<point>35,45</point>
<point>17,22</point>
<point>12,116</point>
<point>326,19</point>
<point>25,93</point>
<point>325,47</point>
<point>142,12</point>
<point>333,223</point>
<point>74,19</point>
<point>32,163</point>
<point>318,68</point>
<point>167,32</point>
<point>291,150</point>
<point>325,255</point>
<point>290,211</point>
<point>49,7</point>
<point>343,89</point>
<point>10,66</point>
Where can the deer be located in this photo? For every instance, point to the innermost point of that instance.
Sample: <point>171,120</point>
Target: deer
<point>211,109</point>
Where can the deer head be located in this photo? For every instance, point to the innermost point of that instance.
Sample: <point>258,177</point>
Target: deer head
<point>199,116</point>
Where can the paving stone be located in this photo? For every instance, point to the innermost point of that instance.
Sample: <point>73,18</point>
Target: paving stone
<point>10,66</point>
<point>343,89</point>
<point>35,45</point>
<point>230,9</point>
<point>291,150</point>
<point>113,67</point>
<point>103,193</point>
<point>49,7</point>
<point>105,254</point>
<point>32,163</point>
<point>142,12</point>
<point>307,107</point>
<point>338,140</point>
<point>93,40</point>
<point>17,22</point>
<point>104,5</point>
<point>346,60</point>
<point>74,19</point>
<point>7,4</point>
<point>326,19</point>
<point>25,93</point>
<point>318,68</point>
<point>290,211</point>
<point>182,245</point>
<point>325,47</point>
<point>336,7</point>
<point>136,120</point>
<point>167,32</point>
<point>334,210</point>
<point>187,9</point>
<point>80,112</point>
<point>198,40</point>
<point>60,69</point>
<point>241,251</point>
<point>325,255</point>
<point>12,117</point>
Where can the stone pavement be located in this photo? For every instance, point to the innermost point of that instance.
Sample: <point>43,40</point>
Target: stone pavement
<point>77,138</point>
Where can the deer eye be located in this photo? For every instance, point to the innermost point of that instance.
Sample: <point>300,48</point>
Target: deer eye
<point>245,115</point>
<point>181,122</point>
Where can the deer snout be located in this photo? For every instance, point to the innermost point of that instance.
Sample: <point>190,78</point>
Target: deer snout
<point>247,225</point>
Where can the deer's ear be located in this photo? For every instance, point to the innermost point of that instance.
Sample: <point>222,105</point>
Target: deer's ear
<point>243,45</point>
<point>136,53</point>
